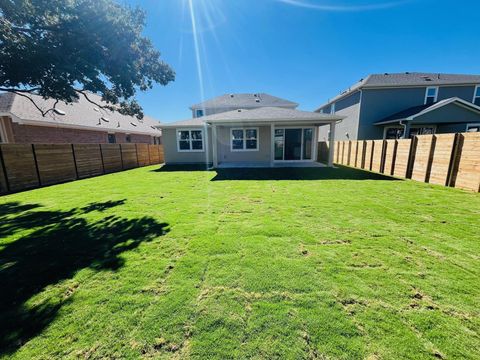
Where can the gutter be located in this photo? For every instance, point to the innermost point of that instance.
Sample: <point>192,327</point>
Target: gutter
<point>19,121</point>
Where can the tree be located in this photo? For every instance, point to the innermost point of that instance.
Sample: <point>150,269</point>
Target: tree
<point>63,49</point>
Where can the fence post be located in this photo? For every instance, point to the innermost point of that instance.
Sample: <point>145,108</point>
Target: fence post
<point>101,156</point>
<point>411,157</point>
<point>4,176</point>
<point>430,159</point>
<point>136,152</point>
<point>454,160</point>
<point>75,162</point>
<point>121,155</point>
<point>394,157</point>
<point>36,165</point>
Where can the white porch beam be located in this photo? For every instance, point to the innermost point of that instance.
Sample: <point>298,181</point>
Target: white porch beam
<point>331,145</point>
<point>214,146</point>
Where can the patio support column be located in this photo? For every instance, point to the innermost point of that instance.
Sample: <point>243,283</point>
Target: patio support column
<point>331,144</point>
<point>272,144</point>
<point>214,146</point>
<point>207,147</point>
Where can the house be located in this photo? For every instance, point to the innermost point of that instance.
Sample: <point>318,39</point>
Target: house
<point>250,135</point>
<point>80,122</point>
<point>389,106</point>
<point>229,102</point>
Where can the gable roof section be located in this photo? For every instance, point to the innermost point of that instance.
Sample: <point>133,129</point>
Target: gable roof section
<point>414,112</point>
<point>244,101</point>
<point>81,114</point>
<point>407,79</point>
<point>264,114</point>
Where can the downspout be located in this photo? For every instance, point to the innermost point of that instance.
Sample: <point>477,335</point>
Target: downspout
<point>404,129</point>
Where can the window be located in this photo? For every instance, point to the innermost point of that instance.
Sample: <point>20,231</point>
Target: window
<point>332,109</point>
<point>431,95</point>
<point>307,144</point>
<point>157,140</point>
<point>279,143</point>
<point>199,113</point>
<point>476,95</point>
<point>128,138</point>
<point>420,130</point>
<point>190,140</point>
<point>244,139</point>
<point>112,139</point>
<point>473,127</point>
<point>394,132</point>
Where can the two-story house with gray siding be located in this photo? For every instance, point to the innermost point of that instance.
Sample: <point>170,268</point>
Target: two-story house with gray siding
<point>386,106</point>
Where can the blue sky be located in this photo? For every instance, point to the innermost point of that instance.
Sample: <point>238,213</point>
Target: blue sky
<point>306,51</point>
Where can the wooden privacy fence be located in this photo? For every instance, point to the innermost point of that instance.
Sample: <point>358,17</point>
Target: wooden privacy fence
<point>27,166</point>
<point>444,159</point>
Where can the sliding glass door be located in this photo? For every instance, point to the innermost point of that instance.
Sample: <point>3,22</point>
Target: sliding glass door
<point>293,144</point>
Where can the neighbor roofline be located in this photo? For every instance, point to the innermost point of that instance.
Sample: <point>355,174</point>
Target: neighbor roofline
<point>20,121</point>
<point>455,100</point>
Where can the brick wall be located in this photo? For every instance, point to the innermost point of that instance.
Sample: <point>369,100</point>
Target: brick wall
<point>28,134</point>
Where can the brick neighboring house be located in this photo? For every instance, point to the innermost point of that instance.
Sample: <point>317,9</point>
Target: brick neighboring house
<point>80,122</point>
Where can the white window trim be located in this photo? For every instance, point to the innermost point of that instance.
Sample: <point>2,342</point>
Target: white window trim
<point>426,94</point>
<point>471,125</point>
<point>190,140</point>
<point>332,108</point>
<point>244,139</point>
<point>475,96</point>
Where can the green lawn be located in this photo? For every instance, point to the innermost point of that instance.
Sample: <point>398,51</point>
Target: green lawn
<point>264,264</point>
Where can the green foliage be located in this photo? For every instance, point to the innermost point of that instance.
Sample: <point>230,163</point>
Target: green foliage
<point>63,49</point>
<point>237,264</point>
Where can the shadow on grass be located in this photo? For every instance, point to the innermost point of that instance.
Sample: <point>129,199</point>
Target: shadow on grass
<point>293,173</point>
<point>53,247</point>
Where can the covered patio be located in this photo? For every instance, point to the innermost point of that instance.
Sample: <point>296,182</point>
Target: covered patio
<point>268,137</point>
<point>261,137</point>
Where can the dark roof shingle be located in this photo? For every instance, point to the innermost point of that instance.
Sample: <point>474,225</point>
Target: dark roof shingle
<point>78,114</point>
<point>245,101</point>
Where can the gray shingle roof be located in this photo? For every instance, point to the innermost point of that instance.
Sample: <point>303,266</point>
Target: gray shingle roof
<point>413,112</point>
<point>244,101</point>
<point>415,78</point>
<point>407,79</point>
<point>79,114</point>
<point>256,115</point>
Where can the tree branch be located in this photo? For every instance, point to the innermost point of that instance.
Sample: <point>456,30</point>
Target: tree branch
<point>103,107</point>
<point>33,102</point>
<point>20,93</point>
